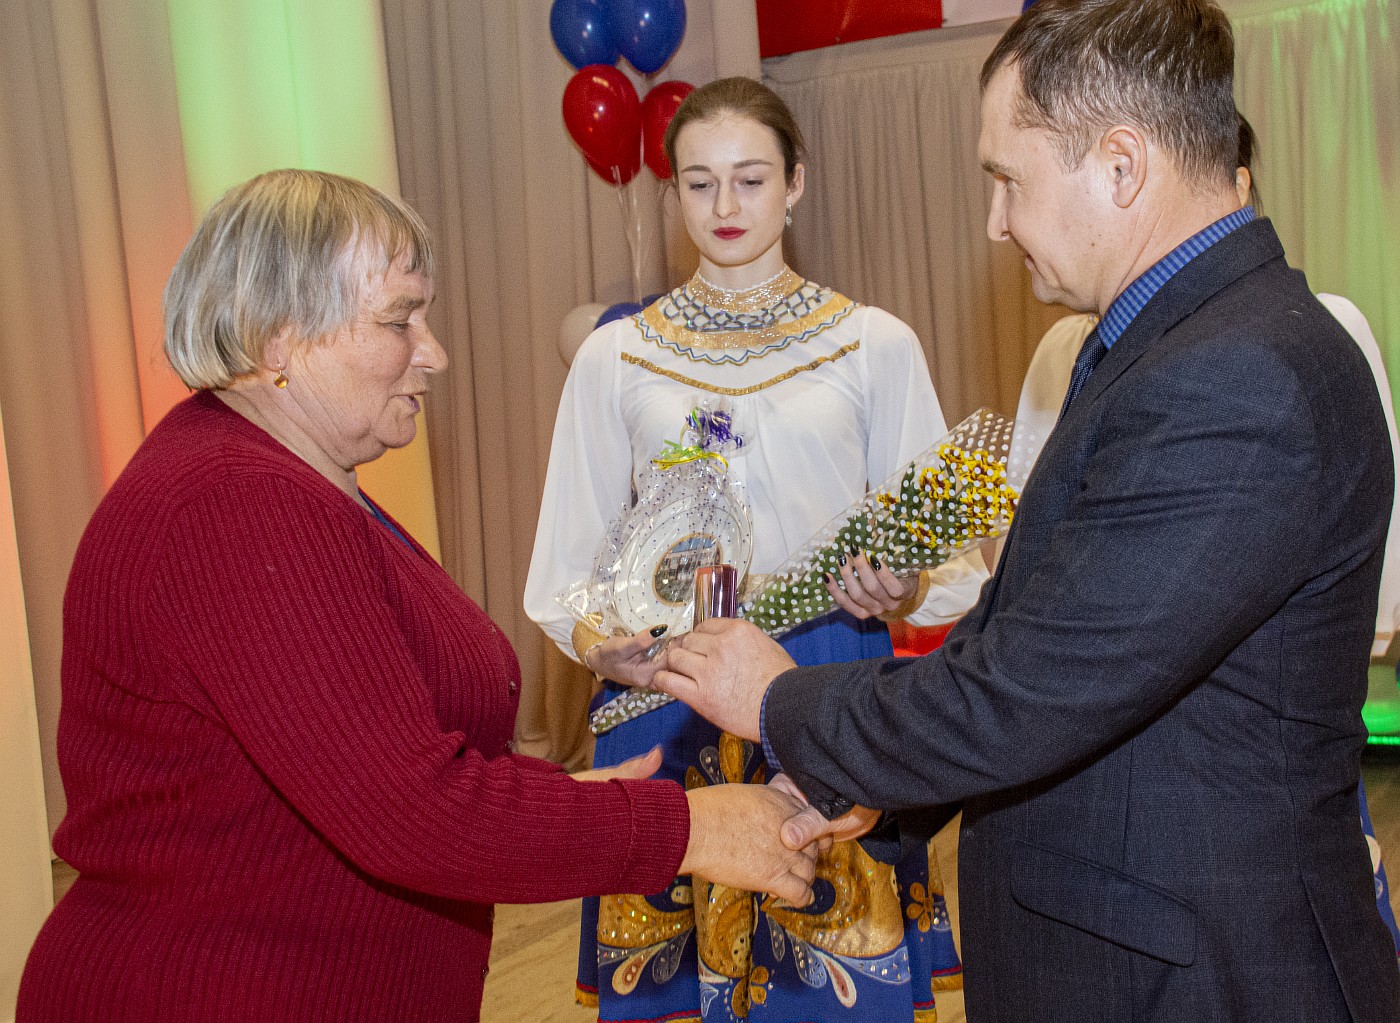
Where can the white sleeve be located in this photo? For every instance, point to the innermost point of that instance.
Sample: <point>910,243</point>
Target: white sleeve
<point>904,419</point>
<point>588,483</point>
<point>1388,610</point>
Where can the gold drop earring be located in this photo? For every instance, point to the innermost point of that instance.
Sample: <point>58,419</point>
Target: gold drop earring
<point>279,380</point>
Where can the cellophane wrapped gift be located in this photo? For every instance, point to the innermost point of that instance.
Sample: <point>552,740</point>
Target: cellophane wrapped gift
<point>955,496</point>
<point>688,512</point>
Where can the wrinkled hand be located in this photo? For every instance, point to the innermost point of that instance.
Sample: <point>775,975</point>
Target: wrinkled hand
<point>865,590</point>
<point>722,670</point>
<point>808,826</point>
<point>624,659</point>
<point>636,768</point>
<point>735,841</point>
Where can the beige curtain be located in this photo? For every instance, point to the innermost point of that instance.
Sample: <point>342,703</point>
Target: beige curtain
<point>89,149</point>
<point>896,206</point>
<point>526,233</point>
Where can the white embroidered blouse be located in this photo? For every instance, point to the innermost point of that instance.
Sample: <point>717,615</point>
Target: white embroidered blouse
<point>830,397</point>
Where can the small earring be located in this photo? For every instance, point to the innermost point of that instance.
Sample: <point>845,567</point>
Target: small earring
<point>789,215</point>
<point>280,380</point>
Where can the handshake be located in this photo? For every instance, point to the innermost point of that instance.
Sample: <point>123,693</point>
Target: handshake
<point>755,837</point>
<point>762,838</point>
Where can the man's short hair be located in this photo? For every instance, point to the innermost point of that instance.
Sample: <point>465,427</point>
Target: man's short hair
<point>1163,66</point>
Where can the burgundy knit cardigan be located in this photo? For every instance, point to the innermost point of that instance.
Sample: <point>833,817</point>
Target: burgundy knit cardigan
<point>285,744</point>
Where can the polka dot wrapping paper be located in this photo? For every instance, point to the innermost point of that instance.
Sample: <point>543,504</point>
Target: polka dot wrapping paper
<point>958,494</point>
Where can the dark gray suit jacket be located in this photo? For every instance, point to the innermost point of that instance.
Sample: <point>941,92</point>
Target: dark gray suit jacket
<point>1152,715</point>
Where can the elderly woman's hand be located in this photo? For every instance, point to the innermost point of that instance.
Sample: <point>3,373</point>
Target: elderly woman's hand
<point>634,769</point>
<point>628,659</point>
<point>736,840</point>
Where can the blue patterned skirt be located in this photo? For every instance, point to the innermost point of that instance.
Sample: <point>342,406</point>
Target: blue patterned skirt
<point>873,946</point>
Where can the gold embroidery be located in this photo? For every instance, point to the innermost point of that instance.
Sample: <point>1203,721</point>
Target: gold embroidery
<point>726,918</point>
<point>864,921</point>
<point>630,921</point>
<point>749,300</point>
<point>679,337</point>
<point>735,392</point>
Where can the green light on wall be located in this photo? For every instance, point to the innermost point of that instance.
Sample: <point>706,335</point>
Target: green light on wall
<point>264,84</point>
<point>281,83</point>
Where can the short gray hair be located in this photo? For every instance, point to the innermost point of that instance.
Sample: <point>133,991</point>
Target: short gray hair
<point>288,249</point>
<point>1164,66</point>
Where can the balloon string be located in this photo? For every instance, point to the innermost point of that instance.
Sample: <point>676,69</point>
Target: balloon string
<point>632,230</point>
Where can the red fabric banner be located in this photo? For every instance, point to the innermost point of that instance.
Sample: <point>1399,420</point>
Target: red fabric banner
<point>786,26</point>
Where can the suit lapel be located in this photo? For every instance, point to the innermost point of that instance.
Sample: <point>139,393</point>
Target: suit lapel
<point>1238,253</point>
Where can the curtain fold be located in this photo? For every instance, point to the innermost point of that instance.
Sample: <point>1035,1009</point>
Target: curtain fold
<point>85,123</point>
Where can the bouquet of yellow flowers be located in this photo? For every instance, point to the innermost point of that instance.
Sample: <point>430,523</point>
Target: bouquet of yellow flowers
<point>955,496</point>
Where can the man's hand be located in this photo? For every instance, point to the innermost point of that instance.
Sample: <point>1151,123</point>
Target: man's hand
<point>722,670</point>
<point>735,841</point>
<point>867,588</point>
<point>808,826</point>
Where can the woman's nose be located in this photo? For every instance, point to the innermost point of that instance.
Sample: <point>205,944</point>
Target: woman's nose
<point>726,204</point>
<point>430,355</point>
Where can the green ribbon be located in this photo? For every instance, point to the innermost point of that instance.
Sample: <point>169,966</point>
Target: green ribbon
<point>673,454</point>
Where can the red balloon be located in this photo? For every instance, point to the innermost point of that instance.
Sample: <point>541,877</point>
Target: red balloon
<point>603,116</point>
<point>658,108</point>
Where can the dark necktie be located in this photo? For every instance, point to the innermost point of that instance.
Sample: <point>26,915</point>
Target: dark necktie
<point>1084,364</point>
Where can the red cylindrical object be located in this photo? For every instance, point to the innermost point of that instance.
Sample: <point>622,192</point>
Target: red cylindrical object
<point>716,592</point>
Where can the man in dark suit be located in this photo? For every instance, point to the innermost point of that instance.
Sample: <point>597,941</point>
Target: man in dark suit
<point>1152,716</point>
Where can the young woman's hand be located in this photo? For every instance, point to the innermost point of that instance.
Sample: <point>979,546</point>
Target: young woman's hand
<point>866,588</point>
<point>625,658</point>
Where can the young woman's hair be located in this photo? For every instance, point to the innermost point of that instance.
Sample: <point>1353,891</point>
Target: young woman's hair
<point>748,98</point>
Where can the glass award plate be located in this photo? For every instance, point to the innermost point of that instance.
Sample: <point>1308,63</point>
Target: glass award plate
<point>655,579</point>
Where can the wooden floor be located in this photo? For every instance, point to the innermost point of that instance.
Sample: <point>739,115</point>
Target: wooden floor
<point>536,947</point>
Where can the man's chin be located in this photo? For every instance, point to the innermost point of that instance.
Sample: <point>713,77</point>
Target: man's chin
<point>1044,293</point>
<point>1055,296</point>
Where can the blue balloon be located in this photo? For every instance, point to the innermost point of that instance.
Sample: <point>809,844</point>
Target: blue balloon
<point>618,311</point>
<point>647,32</point>
<point>580,30</point>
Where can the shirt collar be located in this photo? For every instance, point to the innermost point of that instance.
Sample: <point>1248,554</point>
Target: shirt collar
<point>1127,305</point>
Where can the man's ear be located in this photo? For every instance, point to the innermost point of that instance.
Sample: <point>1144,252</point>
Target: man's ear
<point>1123,153</point>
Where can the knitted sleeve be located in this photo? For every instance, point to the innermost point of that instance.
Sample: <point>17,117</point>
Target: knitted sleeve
<point>268,609</point>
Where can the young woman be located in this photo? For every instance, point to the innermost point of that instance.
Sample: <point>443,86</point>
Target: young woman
<point>829,396</point>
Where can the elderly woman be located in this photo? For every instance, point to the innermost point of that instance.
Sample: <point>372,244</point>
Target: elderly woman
<point>285,734</point>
